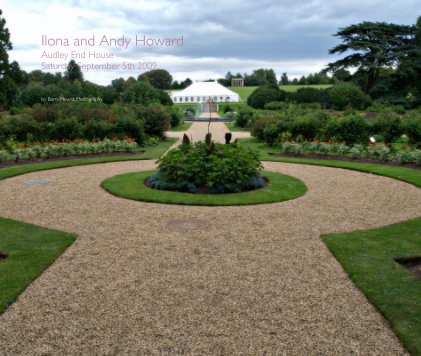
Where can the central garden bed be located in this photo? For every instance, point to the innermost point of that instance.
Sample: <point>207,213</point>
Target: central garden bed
<point>280,187</point>
<point>205,173</point>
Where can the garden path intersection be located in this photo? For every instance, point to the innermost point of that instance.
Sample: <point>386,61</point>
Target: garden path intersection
<point>146,278</point>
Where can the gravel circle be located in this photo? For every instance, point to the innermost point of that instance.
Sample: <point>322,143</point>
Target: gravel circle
<point>146,278</point>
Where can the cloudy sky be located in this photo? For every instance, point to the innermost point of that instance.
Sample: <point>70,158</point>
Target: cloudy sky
<point>219,35</point>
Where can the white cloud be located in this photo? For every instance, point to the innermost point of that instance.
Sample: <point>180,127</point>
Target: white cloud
<point>239,35</point>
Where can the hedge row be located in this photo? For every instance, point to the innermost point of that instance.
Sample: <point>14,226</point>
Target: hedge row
<point>88,121</point>
<point>349,128</point>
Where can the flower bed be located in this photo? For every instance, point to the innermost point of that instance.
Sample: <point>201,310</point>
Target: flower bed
<point>376,151</point>
<point>214,169</point>
<point>56,149</point>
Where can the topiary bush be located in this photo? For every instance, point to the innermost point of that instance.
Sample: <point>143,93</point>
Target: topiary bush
<point>214,169</point>
<point>265,94</point>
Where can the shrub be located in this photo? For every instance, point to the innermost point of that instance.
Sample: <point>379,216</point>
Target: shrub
<point>272,131</point>
<point>189,112</point>
<point>96,129</point>
<point>350,129</point>
<point>129,127</point>
<point>343,95</point>
<point>20,126</point>
<point>226,169</point>
<point>243,118</point>
<point>44,112</point>
<point>145,94</point>
<point>307,127</point>
<point>265,94</point>
<point>66,129</point>
<point>156,120</point>
<point>310,95</point>
<point>260,124</point>
<point>276,105</point>
<point>228,108</point>
<point>412,127</point>
<point>176,117</point>
<point>390,129</point>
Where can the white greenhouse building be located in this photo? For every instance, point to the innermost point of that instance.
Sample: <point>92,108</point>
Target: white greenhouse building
<point>201,92</point>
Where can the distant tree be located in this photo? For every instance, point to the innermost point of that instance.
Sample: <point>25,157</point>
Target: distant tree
<point>342,75</point>
<point>144,93</point>
<point>226,81</point>
<point>175,85</point>
<point>73,72</point>
<point>295,81</point>
<point>260,77</point>
<point>159,78</point>
<point>376,45</point>
<point>284,79</point>
<point>109,95</point>
<point>5,45</point>
<point>409,71</point>
<point>9,72</point>
<point>118,84</point>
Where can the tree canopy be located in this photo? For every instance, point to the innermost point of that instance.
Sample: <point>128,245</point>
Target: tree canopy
<point>73,72</point>
<point>158,78</point>
<point>375,45</point>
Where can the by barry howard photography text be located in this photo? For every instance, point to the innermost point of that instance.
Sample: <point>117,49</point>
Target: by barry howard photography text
<point>56,99</point>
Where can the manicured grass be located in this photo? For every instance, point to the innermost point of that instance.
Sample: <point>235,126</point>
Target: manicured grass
<point>151,152</point>
<point>30,250</point>
<point>368,257</point>
<point>230,126</point>
<point>183,127</point>
<point>409,175</point>
<point>130,186</point>
<point>293,88</point>
<point>245,92</point>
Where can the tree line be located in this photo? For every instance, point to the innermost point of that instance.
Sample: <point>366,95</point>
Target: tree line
<point>383,59</point>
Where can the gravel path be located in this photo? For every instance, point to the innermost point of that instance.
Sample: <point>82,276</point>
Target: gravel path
<point>198,130</point>
<point>158,279</point>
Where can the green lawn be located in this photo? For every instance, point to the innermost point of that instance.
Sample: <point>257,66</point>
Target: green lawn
<point>369,259</point>
<point>245,92</point>
<point>230,126</point>
<point>183,127</point>
<point>130,186</point>
<point>30,250</point>
<point>293,88</point>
